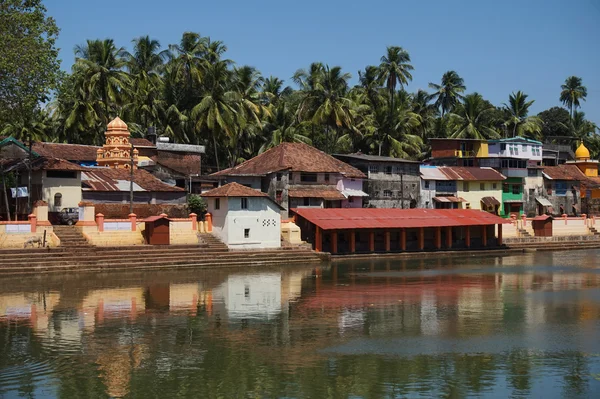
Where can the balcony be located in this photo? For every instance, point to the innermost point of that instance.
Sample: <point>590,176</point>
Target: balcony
<point>514,172</point>
<point>464,154</point>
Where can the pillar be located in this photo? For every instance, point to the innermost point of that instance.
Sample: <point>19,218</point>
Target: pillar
<point>208,219</point>
<point>194,218</point>
<point>438,237</point>
<point>352,241</point>
<point>133,219</point>
<point>448,237</point>
<point>32,222</point>
<point>500,235</point>
<point>371,241</point>
<point>403,239</point>
<point>421,238</point>
<point>468,236</point>
<point>484,235</point>
<point>524,218</point>
<point>164,215</point>
<point>318,239</point>
<point>387,241</point>
<point>100,222</point>
<point>334,242</point>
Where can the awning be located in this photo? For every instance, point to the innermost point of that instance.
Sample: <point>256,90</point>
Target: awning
<point>490,201</point>
<point>448,199</point>
<point>348,192</point>
<point>513,201</point>
<point>543,201</point>
<point>316,193</point>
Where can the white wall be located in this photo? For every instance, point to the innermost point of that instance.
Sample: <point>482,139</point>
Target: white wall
<point>494,150</point>
<point>69,188</point>
<point>262,217</point>
<point>219,217</point>
<point>351,184</point>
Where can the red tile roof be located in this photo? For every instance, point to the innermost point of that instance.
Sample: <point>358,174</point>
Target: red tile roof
<point>186,164</point>
<point>296,157</point>
<point>471,173</point>
<point>327,194</point>
<point>233,190</point>
<point>380,218</point>
<point>564,172</point>
<point>70,152</point>
<point>44,163</point>
<point>141,142</point>
<point>108,179</point>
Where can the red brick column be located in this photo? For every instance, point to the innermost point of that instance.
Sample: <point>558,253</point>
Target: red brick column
<point>421,238</point>
<point>100,222</point>
<point>468,236</point>
<point>208,218</point>
<point>484,235</point>
<point>387,241</point>
<point>32,222</point>
<point>334,242</point>
<point>499,235</point>
<point>403,239</point>
<point>352,241</point>
<point>371,241</point>
<point>133,219</point>
<point>194,221</point>
<point>448,237</point>
<point>438,237</point>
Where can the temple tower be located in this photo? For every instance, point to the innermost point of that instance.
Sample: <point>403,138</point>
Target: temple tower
<point>116,152</point>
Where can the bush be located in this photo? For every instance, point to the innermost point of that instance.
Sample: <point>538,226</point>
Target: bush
<point>196,204</point>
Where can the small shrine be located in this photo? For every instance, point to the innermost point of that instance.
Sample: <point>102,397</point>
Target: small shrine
<point>588,166</point>
<point>116,152</point>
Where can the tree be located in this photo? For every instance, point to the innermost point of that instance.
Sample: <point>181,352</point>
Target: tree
<point>582,128</point>
<point>517,121</point>
<point>100,65</point>
<point>449,92</point>
<point>471,119</point>
<point>555,122</point>
<point>395,69</point>
<point>573,91</point>
<point>29,66</point>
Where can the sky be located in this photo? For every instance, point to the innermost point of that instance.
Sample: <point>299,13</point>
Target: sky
<point>496,46</point>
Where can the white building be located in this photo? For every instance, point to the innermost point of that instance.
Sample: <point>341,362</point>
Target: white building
<point>243,217</point>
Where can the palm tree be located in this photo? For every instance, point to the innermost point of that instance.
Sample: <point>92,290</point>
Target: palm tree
<point>308,79</point>
<point>146,58</point>
<point>273,90</point>
<point>573,91</point>
<point>582,128</point>
<point>470,119</point>
<point>395,69</point>
<point>188,62</point>
<point>281,128</point>
<point>449,92</point>
<point>217,111</point>
<point>327,103</point>
<point>427,112</point>
<point>100,64</point>
<point>518,121</point>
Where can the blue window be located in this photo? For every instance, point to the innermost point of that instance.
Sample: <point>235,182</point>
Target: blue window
<point>560,188</point>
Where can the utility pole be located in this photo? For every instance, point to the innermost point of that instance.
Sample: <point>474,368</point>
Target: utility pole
<point>131,181</point>
<point>29,202</point>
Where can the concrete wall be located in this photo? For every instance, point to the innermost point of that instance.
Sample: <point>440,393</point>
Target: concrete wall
<point>520,153</point>
<point>219,217</point>
<point>262,218</point>
<point>427,194</point>
<point>475,194</point>
<point>70,189</point>
<point>351,184</point>
<point>533,188</point>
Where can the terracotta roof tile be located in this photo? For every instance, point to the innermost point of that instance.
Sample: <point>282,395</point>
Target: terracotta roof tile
<point>107,179</point>
<point>45,163</point>
<point>471,173</point>
<point>233,190</point>
<point>564,172</point>
<point>327,194</point>
<point>296,157</point>
<point>70,152</point>
<point>141,142</point>
<point>186,164</point>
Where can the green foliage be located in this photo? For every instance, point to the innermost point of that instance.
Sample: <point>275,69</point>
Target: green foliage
<point>555,122</point>
<point>29,67</point>
<point>196,204</point>
<point>573,92</point>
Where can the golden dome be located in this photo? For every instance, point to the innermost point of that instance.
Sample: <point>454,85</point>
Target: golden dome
<point>117,124</point>
<point>582,152</point>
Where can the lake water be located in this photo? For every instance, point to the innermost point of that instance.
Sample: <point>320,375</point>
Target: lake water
<point>516,326</point>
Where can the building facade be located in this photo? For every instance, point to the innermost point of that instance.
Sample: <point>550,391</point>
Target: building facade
<point>244,217</point>
<point>390,182</point>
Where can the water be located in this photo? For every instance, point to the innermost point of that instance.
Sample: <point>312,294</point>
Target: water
<point>515,326</point>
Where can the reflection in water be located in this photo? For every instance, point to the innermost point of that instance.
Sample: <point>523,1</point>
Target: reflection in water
<point>523,325</point>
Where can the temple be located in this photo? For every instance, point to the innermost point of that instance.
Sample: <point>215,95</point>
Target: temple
<point>116,152</point>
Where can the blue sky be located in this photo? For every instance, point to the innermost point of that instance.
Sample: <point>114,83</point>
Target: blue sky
<point>496,46</point>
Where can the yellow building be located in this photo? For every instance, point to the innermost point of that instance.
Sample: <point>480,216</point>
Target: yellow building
<point>589,167</point>
<point>476,187</point>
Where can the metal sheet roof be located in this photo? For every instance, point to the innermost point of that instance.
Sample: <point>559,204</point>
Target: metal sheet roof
<point>432,173</point>
<point>380,218</point>
<point>543,201</point>
<point>449,198</point>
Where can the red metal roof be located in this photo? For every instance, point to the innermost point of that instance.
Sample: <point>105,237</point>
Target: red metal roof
<point>379,218</point>
<point>327,194</point>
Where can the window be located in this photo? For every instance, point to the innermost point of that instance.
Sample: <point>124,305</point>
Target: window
<point>524,147</point>
<point>494,185</point>
<point>278,176</point>
<point>279,195</point>
<point>374,168</point>
<point>516,189</point>
<point>482,186</point>
<point>505,188</point>
<point>387,193</point>
<point>350,199</point>
<point>532,172</point>
<point>61,174</point>
<point>246,233</point>
<point>244,203</point>
<point>57,200</point>
<point>308,177</point>
<point>306,201</point>
<point>327,177</point>
<point>388,170</point>
<point>246,291</point>
<point>532,192</point>
<point>217,203</point>
<point>502,147</point>
<point>427,184</point>
<point>560,188</point>
<point>466,186</point>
